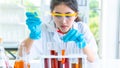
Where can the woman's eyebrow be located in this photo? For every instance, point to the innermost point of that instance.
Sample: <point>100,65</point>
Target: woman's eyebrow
<point>65,13</point>
<point>58,12</point>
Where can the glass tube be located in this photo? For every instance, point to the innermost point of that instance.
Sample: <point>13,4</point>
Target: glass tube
<point>46,62</point>
<point>46,53</point>
<point>52,48</point>
<point>79,62</point>
<point>53,59</point>
<point>67,63</point>
<point>73,50</point>
<point>64,52</point>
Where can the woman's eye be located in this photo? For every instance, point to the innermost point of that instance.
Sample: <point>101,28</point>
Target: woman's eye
<point>68,16</point>
<point>58,16</point>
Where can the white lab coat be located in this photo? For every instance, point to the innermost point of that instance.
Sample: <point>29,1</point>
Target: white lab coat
<point>49,34</point>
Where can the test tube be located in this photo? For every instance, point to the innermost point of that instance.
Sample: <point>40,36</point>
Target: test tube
<point>66,62</point>
<point>58,53</point>
<point>70,52</point>
<point>60,65</point>
<point>53,52</point>
<point>79,62</point>
<point>73,51</point>
<point>46,50</point>
<point>54,61</point>
<point>79,59</point>
<point>63,53</point>
<point>46,60</point>
<point>73,65</point>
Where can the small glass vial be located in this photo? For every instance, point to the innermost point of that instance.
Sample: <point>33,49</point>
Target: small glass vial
<point>4,63</point>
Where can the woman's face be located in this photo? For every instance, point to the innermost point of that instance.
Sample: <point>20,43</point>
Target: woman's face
<point>63,23</point>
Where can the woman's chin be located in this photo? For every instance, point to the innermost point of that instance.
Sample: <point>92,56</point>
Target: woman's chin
<point>64,31</point>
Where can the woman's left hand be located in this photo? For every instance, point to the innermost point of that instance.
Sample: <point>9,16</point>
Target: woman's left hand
<point>76,36</point>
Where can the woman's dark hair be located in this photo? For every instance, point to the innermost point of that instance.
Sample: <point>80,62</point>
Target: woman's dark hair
<point>70,3</point>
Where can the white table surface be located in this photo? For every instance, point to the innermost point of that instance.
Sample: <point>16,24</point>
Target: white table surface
<point>115,63</point>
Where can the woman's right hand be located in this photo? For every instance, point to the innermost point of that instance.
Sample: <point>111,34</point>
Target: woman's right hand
<point>26,44</point>
<point>33,22</point>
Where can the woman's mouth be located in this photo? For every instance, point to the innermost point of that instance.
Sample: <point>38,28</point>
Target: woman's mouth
<point>63,27</point>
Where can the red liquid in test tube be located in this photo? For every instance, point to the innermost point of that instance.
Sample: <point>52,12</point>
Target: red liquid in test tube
<point>46,63</point>
<point>60,65</point>
<point>54,62</point>
<point>67,63</point>
<point>79,62</point>
<point>73,65</point>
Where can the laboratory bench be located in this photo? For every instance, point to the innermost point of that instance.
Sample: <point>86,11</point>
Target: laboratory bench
<point>51,61</point>
<point>113,63</point>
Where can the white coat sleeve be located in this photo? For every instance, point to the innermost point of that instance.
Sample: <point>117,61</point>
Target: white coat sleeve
<point>36,49</point>
<point>83,28</point>
<point>91,43</point>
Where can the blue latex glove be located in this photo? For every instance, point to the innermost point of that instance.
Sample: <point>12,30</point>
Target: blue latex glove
<point>74,35</point>
<point>33,23</point>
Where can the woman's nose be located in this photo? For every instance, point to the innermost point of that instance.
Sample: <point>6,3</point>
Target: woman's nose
<point>63,19</point>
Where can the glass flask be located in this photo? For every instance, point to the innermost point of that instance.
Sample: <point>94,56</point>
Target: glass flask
<point>22,61</point>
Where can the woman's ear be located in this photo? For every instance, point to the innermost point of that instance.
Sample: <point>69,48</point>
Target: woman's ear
<point>77,19</point>
<point>76,15</point>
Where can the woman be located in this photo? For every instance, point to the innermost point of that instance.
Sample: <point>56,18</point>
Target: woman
<point>65,26</point>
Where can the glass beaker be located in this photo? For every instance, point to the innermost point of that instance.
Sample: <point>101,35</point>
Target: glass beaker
<point>22,61</point>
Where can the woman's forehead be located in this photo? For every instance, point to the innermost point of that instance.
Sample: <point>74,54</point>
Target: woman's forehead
<point>62,8</point>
